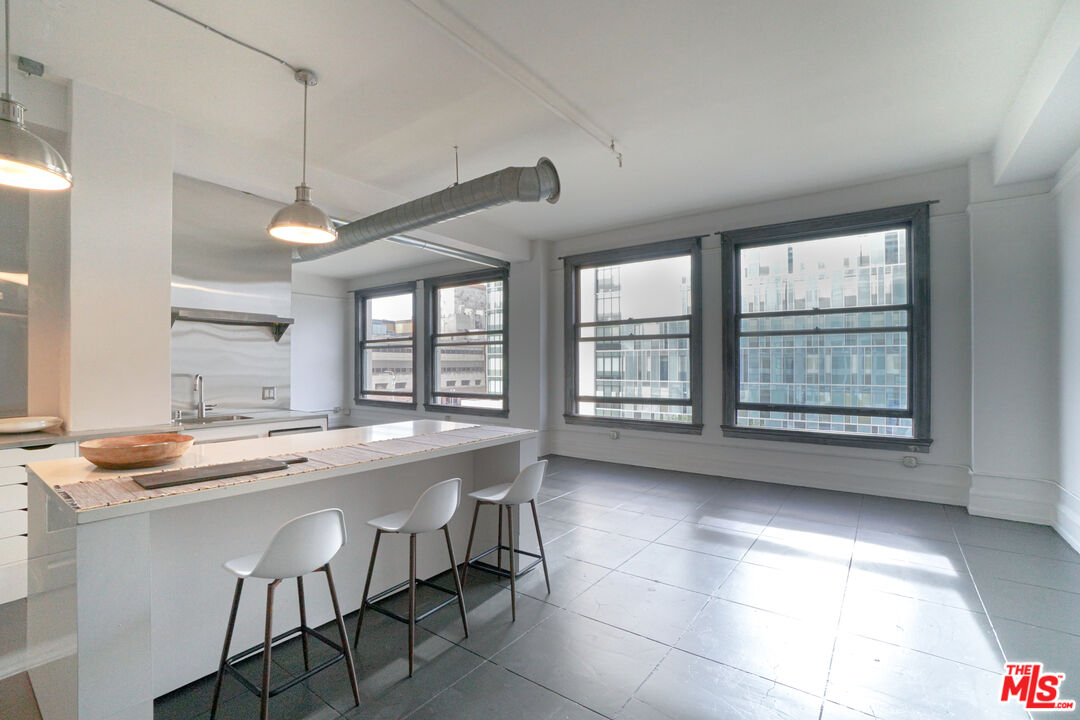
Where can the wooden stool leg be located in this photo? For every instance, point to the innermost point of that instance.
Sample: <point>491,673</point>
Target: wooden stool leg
<point>367,587</point>
<point>225,649</point>
<point>264,712</point>
<point>457,580</point>
<point>343,633</point>
<point>499,553</point>
<point>303,622</point>
<point>468,548</point>
<point>540,542</point>
<point>412,599</point>
<point>510,543</point>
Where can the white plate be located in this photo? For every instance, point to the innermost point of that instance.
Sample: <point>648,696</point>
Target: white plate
<point>29,424</point>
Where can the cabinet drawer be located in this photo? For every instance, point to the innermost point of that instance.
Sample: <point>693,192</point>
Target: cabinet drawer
<point>12,475</point>
<point>13,549</point>
<point>12,497</point>
<point>22,456</point>
<point>12,522</point>
<point>13,581</point>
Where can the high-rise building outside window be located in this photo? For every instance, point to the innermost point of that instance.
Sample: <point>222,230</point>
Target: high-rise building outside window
<point>386,345</point>
<point>633,337</point>
<point>826,335</point>
<point>467,343</point>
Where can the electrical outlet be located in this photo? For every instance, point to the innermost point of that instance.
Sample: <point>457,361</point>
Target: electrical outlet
<point>614,434</point>
<point>269,393</point>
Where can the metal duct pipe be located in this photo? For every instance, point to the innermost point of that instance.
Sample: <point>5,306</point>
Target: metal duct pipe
<point>512,184</point>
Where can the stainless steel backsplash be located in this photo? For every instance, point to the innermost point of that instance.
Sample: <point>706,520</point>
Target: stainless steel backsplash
<point>236,363</point>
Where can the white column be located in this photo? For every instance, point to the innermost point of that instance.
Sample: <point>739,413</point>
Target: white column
<point>121,261</point>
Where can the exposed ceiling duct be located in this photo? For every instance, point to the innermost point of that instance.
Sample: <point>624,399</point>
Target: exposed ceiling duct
<point>512,184</point>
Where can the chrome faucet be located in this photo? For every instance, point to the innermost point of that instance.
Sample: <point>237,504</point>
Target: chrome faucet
<point>201,407</point>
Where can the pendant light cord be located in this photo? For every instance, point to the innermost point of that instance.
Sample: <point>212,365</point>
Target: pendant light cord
<point>7,48</point>
<point>303,163</point>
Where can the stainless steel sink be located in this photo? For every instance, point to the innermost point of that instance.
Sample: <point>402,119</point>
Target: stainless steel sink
<point>210,419</point>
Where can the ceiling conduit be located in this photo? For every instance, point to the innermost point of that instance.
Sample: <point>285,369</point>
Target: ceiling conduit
<point>512,184</point>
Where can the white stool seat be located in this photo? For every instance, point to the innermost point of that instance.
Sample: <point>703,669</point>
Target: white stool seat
<point>433,509</point>
<point>524,489</point>
<point>493,494</point>
<point>392,522</point>
<point>300,546</point>
<point>241,567</point>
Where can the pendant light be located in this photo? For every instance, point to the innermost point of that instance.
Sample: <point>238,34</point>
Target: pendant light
<point>26,161</point>
<point>303,222</point>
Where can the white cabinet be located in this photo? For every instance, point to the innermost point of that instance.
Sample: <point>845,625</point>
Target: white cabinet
<point>255,430</point>
<point>13,512</point>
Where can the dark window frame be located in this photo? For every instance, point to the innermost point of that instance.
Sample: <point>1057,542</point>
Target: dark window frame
<point>572,265</point>
<point>915,218</point>
<point>360,298</point>
<point>431,288</point>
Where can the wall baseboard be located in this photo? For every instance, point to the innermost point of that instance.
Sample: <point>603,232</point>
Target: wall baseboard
<point>1067,522</point>
<point>872,476</point>
<point>1013,498</point>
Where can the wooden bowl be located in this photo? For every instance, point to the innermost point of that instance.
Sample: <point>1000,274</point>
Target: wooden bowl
<point>136,451</point>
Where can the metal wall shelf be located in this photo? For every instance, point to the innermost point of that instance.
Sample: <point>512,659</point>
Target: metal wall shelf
<point>277,324</point>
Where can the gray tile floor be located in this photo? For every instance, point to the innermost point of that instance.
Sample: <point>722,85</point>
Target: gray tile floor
<point>685,596</point>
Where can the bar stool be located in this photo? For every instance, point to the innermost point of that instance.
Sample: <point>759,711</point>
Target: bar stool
<point>431,512</point>
<point>303,545</point>
<point>523,490</point>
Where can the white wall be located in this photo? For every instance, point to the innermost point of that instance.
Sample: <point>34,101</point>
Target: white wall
<point>942,474</point>
<point>1067,207</point>
<point>319,345</point>
<point>120,262</point>
<point>1014,358</point>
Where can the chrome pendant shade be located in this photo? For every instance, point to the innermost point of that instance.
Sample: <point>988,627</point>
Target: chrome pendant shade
<point>302,222</point>
<point>26,161</point>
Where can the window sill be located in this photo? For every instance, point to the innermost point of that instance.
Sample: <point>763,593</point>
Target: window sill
<point>648,425</point>
<point>917,445</point>
<point>363,402</point>
<point>457,410</point>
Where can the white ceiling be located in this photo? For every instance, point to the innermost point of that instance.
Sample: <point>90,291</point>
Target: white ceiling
<point>714,103</point>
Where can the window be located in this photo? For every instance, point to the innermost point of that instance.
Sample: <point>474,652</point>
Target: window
<point>633,337</point>
<point>826,335</point>
<point>467,350</point>
<point>386,345</point>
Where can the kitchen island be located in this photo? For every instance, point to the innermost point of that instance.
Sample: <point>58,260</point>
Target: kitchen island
<point>127,599</point>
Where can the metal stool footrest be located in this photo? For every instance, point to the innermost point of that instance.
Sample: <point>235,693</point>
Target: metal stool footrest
<point>385,594</point>
<point>251,652</point>
<point>474,562</point>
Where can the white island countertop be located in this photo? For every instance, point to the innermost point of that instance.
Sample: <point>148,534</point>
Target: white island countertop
<point>97,494</point>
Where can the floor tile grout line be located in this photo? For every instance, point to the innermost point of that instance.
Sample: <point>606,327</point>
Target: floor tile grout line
<point>978,594</point>
<point>556,692</point>
<point>1039,627</point>
<point>1017,552</point>
<point>1037,585</point>
<point>836,632</point>
<point>445,689</point>
<point>747,672</point>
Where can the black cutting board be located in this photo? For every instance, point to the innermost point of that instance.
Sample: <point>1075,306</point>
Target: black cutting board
<point>168,478</point>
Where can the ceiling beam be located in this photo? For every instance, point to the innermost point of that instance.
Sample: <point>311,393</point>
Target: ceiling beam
<point>1042,128</point>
